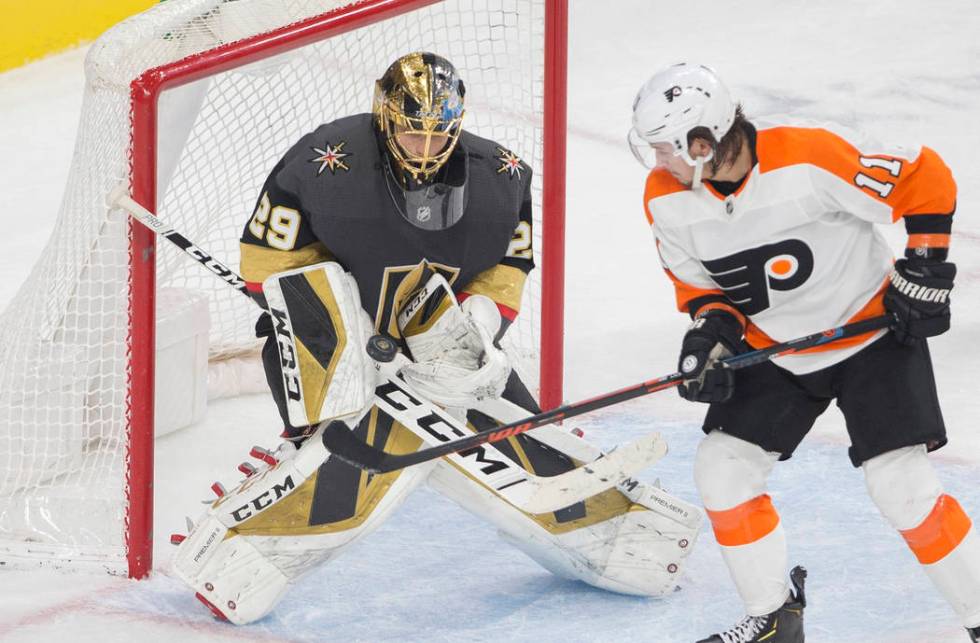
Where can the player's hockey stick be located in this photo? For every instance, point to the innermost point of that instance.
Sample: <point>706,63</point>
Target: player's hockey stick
<point>347,446</point>
<point>528,492</point>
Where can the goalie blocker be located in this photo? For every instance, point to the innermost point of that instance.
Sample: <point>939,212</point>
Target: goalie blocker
<point>321,332</point>
<point>304,507</point>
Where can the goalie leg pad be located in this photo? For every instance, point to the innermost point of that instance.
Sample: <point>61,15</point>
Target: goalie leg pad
<point>282,522</point>
<point>618,544</point>
<point>235,580</point>
<point>321,333</point>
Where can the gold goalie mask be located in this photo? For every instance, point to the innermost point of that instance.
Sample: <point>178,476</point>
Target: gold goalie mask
<point>418,110</point>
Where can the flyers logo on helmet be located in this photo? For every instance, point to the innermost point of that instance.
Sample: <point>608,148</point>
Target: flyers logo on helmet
<point>747,277</point>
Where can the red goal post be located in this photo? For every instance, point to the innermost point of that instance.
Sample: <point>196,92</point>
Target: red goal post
<point>145,93</point>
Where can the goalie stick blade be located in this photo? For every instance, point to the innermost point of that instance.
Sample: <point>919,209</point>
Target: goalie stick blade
<point>557,492</point>
<point>536,494</point>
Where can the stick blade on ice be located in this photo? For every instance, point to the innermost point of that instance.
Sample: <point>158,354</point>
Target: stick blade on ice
<point>595,477</point>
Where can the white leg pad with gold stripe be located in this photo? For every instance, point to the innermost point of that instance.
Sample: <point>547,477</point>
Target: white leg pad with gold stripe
<point>622,545</point>
<point>231,575</point>
<point>255,540</point>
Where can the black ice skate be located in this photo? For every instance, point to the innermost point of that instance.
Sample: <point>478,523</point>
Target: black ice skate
<point>785,625</point>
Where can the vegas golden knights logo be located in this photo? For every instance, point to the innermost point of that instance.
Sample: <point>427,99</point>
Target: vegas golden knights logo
<point>747,277</point>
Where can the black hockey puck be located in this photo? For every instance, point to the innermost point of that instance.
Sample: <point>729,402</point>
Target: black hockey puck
<point>382,348</point>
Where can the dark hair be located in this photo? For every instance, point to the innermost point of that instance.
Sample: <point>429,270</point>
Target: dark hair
<point>726,150</point>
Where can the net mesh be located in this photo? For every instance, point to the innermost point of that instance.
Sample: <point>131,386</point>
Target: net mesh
<point>65,337</point>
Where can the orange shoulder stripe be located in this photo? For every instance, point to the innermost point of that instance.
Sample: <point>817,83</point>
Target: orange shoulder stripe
<point>659,183</point>
<point>924,186</point>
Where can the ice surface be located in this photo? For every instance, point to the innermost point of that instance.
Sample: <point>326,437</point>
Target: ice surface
<point>902,71</point>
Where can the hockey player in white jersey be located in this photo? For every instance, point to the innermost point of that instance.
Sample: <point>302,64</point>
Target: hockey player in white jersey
<point>767,230</point>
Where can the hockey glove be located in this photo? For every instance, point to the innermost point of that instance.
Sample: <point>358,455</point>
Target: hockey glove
<point>456,362</point>
<point>918,295</point>
<point>712,337</point>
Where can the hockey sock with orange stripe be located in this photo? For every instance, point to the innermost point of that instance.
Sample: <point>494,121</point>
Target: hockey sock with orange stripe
<point>938,532</point>
<point>731,476</point>
<point>948,548</point>
<point>753,545</point>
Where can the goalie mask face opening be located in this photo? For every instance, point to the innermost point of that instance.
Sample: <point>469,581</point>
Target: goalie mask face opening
<point>418,110</point>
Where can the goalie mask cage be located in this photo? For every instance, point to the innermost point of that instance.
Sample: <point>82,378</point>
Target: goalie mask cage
<point>191,104</point>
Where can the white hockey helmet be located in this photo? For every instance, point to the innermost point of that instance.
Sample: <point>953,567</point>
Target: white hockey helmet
<point>672,103</point>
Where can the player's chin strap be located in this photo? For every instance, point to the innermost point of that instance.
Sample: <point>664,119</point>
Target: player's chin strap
<point>698,163</point>
<point>698,171</point>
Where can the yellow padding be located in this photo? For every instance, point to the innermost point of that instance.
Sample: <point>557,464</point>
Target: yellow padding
<point>30,30</point>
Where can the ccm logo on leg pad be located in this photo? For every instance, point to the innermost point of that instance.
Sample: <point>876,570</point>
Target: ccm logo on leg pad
<point>264,500</point>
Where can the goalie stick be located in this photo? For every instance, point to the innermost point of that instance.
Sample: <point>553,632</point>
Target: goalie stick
<point>524,490</point>
<point>347,446</point>
<point>531,493</point>
<point>120,198</point>
<point>570,442</point>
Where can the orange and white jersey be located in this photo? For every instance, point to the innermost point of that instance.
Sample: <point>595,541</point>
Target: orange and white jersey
<point>795,250</point>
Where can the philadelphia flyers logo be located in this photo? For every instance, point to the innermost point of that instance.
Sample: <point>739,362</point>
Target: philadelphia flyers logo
<point>747,277</point>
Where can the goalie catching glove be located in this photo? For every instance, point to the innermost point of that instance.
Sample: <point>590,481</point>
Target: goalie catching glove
<point>454,359</point>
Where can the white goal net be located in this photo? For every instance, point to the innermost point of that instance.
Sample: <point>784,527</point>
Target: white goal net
<point>73,487</point>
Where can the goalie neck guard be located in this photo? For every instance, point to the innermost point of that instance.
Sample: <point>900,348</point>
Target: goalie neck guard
<point>432,206</point>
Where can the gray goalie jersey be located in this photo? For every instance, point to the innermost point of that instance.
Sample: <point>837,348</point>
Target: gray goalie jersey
<point>328,199</point>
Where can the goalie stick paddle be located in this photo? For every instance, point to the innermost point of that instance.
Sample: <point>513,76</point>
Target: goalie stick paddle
<point>524,490</point>
<point>541,494</point>
<point>347,446</point>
